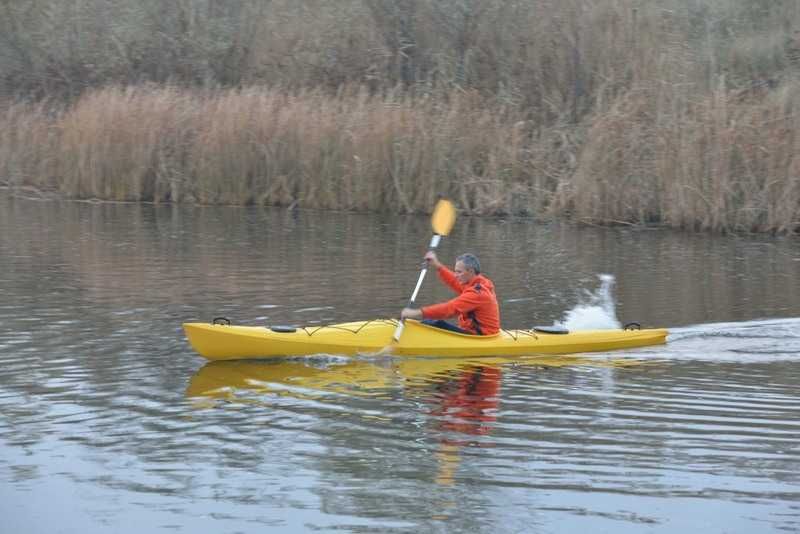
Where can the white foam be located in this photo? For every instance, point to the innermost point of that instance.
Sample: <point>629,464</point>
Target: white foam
<point>595,311</point>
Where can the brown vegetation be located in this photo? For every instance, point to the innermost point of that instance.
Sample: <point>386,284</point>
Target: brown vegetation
<point>620,111</point>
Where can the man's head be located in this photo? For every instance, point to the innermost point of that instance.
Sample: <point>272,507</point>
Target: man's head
<point>467,267</point>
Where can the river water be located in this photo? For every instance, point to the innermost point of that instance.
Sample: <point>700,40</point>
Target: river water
<point>109,422</point>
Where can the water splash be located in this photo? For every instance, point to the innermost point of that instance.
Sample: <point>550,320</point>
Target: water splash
<point>596,310</point>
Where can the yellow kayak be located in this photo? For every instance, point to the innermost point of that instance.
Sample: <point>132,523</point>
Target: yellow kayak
<point>228,342</point>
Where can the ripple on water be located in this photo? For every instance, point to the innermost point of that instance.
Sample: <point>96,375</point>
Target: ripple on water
<point>105,405</point>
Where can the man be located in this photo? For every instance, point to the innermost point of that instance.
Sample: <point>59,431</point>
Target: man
<point>475,306</point>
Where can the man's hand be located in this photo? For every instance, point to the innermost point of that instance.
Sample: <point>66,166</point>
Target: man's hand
<point>432,260</point>
<point>411,313</point>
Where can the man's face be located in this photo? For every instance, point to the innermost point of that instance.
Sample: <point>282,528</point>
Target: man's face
<point>463,274</point>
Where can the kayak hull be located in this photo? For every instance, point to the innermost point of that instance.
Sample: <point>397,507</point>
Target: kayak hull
<point>228,342</point>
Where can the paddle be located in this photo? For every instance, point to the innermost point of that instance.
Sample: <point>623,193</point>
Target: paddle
<point>442,221</point>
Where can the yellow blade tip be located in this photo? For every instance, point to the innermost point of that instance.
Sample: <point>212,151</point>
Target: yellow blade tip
<point>444,217</point>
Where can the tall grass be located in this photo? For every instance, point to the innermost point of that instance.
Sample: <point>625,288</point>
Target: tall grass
<point>676,112</point>
<point>718,162</point>
<point>270,147</point>
<point>722,162</point>
<point>553,56</point>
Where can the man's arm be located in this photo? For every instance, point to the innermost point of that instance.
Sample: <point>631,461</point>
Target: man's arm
<point>464,303</point>
<point>445,275</point>
<point>449,278</point>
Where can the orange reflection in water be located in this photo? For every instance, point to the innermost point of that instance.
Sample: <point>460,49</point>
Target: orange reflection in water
<point>466,404</point>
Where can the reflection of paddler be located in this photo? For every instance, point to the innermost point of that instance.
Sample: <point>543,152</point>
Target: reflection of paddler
<point>448,457</point>
<point>468,403</point>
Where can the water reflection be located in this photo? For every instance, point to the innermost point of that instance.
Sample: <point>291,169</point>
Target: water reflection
<point>474,377</point>
<point>106,413</point>
<point>458,398</point>
<point>465,404</point>
<point>309,268</point>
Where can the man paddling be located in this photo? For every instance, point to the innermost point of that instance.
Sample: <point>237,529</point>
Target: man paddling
<point>475,306</point>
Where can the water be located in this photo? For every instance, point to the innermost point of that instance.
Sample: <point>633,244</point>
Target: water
<point>110,423</point>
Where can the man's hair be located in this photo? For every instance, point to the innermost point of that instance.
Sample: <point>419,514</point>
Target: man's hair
<point>470,261</point>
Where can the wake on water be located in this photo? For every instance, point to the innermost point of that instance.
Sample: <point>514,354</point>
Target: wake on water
<point>756,341</point>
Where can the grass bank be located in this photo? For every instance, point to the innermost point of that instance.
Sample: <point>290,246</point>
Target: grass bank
<point>723,160</point>
<point>672,112</point>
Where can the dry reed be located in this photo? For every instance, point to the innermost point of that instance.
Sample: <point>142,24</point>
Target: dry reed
<point>716,163</point>
<point>722,162</point>
<point>614,111</point>
<point>268,147</point>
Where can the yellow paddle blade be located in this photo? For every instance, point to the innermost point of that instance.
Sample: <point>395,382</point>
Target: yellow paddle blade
<point>444,217</point>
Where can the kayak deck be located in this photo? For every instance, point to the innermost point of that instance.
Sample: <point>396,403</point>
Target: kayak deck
<point>228,342</point>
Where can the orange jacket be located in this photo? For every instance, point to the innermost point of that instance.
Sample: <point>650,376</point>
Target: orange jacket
<point>476,304</point>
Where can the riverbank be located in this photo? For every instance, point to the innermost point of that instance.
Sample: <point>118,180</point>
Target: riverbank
<point>657,155</point>
<point>641,112</point>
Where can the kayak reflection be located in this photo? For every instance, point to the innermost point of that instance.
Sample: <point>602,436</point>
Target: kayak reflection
<point>460,397</point>
<point>367,377</point>
<point>229,379</point>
